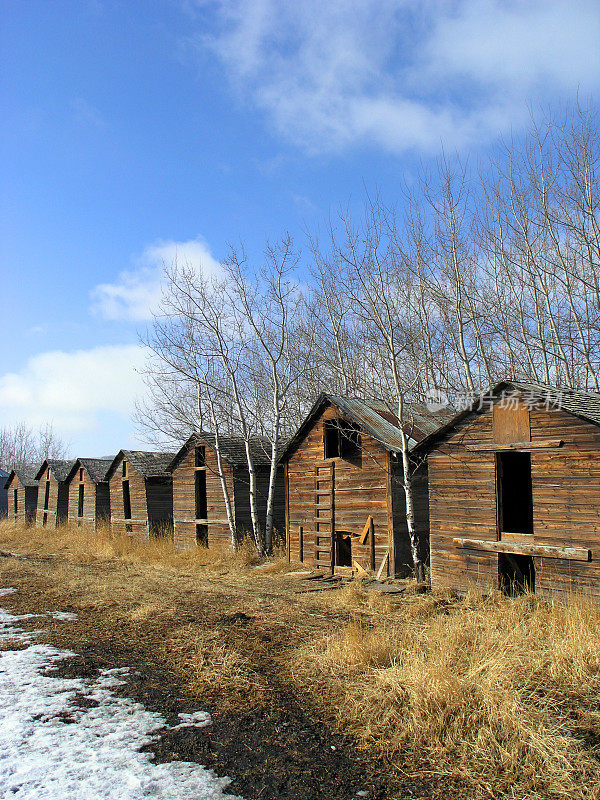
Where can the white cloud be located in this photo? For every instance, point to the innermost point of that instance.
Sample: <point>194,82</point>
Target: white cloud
<point>137,293</point>
<point>78,392</point>
<point>404,74</point>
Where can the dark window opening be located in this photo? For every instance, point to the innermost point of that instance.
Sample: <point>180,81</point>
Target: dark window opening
<point>343,550</point>
<point>202,535</point>
<point>124,468</point>
<point>81,474</point>
<point>516,574</point>
<point>342,440</point>
<point>16,501</point>
<point>515,497</point>
<point>200,456</point>
<point>126,500</point>
<point>47,496</point>
<point>332,439</point>
<point>200,494</point>
<point>301,544</point>
<point>80,502</point>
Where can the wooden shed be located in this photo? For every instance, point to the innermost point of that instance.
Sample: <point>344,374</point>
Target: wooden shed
<point>22,490</point>
<point>89,500</point>
<point>53,494</point>
<point>514,492</point>
<point>345,501</point>
<point>141,493</point>
<point>3,493</point>
<point>199,512</point>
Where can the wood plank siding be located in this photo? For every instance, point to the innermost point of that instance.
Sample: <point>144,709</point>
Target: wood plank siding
<point>89,499</point>
<point>140,505</point>
<point>199,510</point>
<point>465,499</point>
<point>22,498</point>
<point>330,500</point>
<point>211,529</point>
<point>52,497</point>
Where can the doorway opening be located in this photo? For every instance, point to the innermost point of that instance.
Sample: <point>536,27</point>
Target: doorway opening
<point>515,496</point>
<point>202,535</point>
<point>47,496</point>
<point>80,501</point>
<point>516,574</point>
<point>126,500</point>
<point>200,494</point>
<point>343,550</point>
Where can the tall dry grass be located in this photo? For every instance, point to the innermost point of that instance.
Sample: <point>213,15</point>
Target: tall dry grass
<point>78,543</point>
<point>503,693</point>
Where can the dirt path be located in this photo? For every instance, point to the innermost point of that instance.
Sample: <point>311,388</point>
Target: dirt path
<point>270,742</point>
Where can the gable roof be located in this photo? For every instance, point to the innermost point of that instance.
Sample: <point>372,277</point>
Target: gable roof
<point>96,468</point>
<point>25,476</point>
<point>233,448</point>
<point>147,464</point>
<point>582,404</point>
<point>60,469</point>
<point>377,418</point>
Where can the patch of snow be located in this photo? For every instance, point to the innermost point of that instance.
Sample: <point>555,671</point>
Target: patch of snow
<point>198,719</point>
<point>65,616</point>
<point>8,630</point>
<point>7,590</point>
<point>52,748</point>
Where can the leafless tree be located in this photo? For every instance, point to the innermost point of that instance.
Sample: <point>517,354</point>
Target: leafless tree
<point>22,446</point>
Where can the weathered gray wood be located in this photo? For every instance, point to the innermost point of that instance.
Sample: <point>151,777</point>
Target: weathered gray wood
<point>540,444</point>
<point>517,548</point>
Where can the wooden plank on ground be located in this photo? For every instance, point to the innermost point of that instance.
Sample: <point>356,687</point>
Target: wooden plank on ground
<point>382,566</point>
<point>360,570</point>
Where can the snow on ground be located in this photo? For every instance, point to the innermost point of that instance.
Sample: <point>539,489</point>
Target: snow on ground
<point>53,749</point>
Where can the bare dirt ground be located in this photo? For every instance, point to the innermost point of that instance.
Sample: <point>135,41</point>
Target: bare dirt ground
<point>266,734</point>
<point>325,694</point>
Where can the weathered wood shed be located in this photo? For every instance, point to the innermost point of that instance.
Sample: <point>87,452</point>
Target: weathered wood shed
<point>199,511</point>
<point>53,494</point>
<point>514,492</point>
<point>89,500</point>
<point>345,502</point>
<point>141,493</point>
<point>3,493</point>
<point>22,489</point>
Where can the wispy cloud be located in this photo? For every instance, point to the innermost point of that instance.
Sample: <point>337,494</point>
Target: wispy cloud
<point>403,74</point>
<point>137,292</point>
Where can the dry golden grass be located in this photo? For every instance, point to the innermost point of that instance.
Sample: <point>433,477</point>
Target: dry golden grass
<point>78,544</point>
<point>215,668</point>
<point>503,694</point>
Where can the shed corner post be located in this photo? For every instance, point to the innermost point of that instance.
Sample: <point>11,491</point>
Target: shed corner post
<point>390,516</point>
<point>286,494</point>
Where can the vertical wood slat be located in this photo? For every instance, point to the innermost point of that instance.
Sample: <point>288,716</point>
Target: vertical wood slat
<point>511,424</point>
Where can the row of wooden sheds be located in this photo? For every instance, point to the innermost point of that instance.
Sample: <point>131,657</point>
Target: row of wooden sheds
<point>150,494</point>
<point>506,492</point>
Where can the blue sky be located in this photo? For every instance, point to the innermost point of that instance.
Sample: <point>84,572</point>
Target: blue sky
<point>132,131</point>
